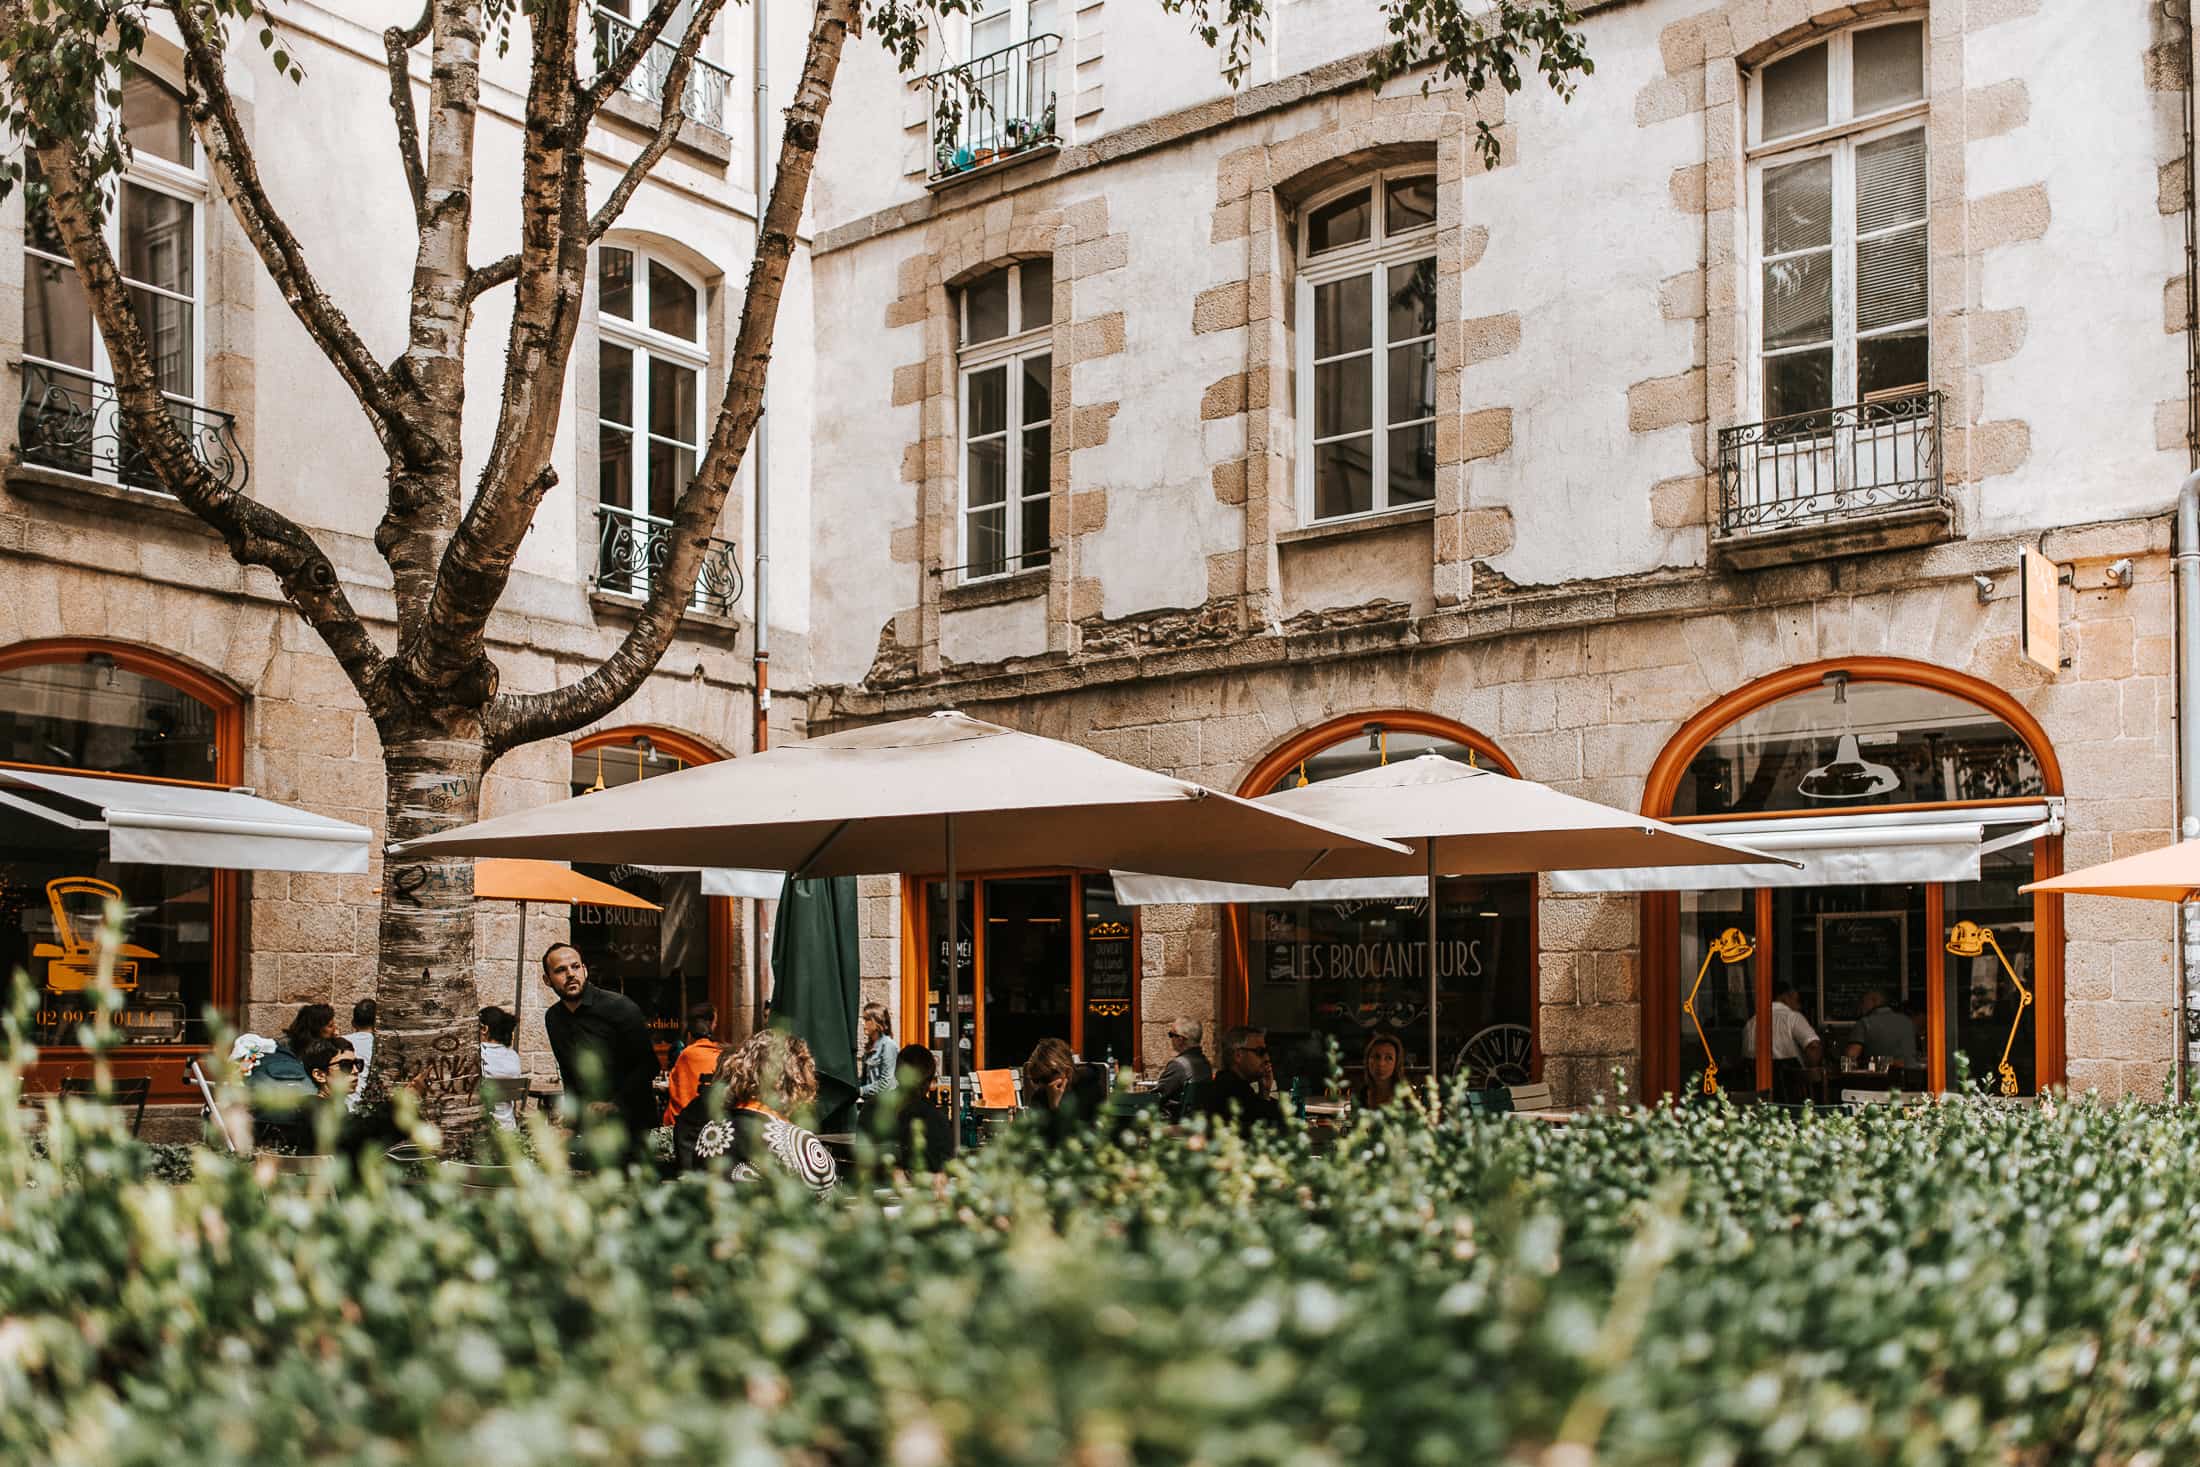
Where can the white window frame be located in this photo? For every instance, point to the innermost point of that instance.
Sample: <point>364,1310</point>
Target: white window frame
<point>646,344</point>
<point>1019,24</point>
<point>156,175</point>
<point>1018,346</point>
<point>1839,140</point>
<point>1372,257</point>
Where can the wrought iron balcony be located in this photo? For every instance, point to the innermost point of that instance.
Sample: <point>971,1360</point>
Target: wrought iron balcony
<point>1832,466</point>
<point>631,551</point>
<point>704,101</point>
<point>994,108</point>
<point>74,423</point>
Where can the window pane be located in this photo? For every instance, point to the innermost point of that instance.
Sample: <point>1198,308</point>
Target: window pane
<point>1037,468</point>
<point>1412,386</point>
<point>1039,18</point>
<point>672,304</point>
<point>1338,223</point>
<point>1798,206</point>
<point>1890,182</point>
<point>92,715</point>
<point>1799,300</point>
<point>1344,396</point>
<point>1890,279</point>
<point>987,551</point>
<point>57,319</point>
<point>1035,533</point>
<point>154,118</point>
<point>986,303</point>
<point>156,239</point>
<point>1794,93</point>
<point>1413,464</point>
<point>1038,389</point>
<point>1409,203</point>
<point>615,282</point>
<point>1412,300</point>
<point>1342,317</point>
<point>167,325</point>
<point>987,480</point>
<point>989,35</point>
<point>38,227</point>
<point>1344,477</point>
<point>615,384</point>
<point>988,402</point>
<point>1890,364</point>
<point>671,466</point>
<point>1801,382</point>
<point>1890,67</point>
<point>1035,286</point>
<point>615,466</point>
<point>672,400</point>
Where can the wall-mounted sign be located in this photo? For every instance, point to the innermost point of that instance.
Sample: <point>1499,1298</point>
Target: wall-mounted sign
<point>2039,589</point>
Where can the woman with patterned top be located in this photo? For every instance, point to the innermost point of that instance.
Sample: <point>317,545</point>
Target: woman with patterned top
<point>758,1088</point>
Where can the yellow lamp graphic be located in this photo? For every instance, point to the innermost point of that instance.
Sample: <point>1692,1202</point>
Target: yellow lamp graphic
<point>73,962</point>
<point>1969,940</point>
<point>1731,947</point>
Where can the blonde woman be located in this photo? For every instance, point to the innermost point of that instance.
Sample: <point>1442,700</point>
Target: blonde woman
<point>877,1059</point>
<point>764,1083</point>
<point>1382,1065</point>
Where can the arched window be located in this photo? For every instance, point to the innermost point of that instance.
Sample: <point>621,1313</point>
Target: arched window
<point>154,231</point>
<point>119,712</point>
<point>1918,802</point>
<point>682,954</point>
<point>1343,971</point>
<point>1367,346</point>
<point>1005,356</point>
<point>650,363</point>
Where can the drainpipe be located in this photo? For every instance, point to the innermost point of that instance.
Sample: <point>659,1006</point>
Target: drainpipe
<point>760,455</point>
<point>2188,756</point>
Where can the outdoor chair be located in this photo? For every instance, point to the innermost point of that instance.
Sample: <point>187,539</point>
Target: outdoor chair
<point>1495,1101</point>
<point>127,1093</point>
<point>213,1110</point>
<point>499,1090</point>
<point>1529,1097</point>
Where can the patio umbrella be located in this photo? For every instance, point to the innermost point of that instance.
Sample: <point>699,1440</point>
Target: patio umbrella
<point>817,987</point>
<point>506,880</point>
<point>2170,874</point>
<point>1455,820</point>
<point>918,795</point>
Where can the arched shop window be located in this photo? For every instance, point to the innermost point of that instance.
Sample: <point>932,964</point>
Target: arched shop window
<point>119,712</point>
<point>1344,971</point>
<point>1919,802</point>
<point>681,954</point>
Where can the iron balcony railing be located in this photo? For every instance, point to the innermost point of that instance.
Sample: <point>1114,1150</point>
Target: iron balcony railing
<point>631,551</point>
<point>1831,465</point>
<point>995,107</point>
<point>73,422</point>
<point>704,101</point>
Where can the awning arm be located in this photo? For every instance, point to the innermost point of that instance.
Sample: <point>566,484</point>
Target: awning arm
<point>49,814</point>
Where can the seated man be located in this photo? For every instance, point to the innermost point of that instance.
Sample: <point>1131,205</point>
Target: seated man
<point>921,1135</point>
<point>1884,1032</point>
<point>1239,1089</point>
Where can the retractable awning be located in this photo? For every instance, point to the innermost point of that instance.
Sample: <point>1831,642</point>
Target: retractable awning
<point>184,825</point>
<point>1845,850</point>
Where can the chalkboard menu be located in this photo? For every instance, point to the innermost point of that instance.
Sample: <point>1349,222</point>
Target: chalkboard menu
<point>1110,941</point>
<point>1857,952</point>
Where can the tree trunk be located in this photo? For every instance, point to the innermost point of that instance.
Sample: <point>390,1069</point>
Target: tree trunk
<point>427,1036</point>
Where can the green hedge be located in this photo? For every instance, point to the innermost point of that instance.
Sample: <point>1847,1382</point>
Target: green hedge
<point>1963,1283</point>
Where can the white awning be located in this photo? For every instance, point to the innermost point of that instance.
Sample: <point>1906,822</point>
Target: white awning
<point>1135,889</point>
<point>734,881</point>
<point>1845,850</point>
<point>184,825</point>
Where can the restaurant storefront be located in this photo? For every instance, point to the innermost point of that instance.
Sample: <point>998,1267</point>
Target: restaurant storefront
<point>1918,802</point>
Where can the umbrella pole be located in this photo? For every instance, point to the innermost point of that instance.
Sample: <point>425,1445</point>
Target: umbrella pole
<point>1435,1066</point>
<point>519,969</point>
<point>954,1001</point>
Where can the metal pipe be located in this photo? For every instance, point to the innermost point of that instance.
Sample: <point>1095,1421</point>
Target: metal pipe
<point>1435,1066</point>
<point>760,455</point>
<point>2187,563</point>
<point>954,998</point>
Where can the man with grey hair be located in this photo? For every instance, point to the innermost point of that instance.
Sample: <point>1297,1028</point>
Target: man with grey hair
<point>1241,1089</point>
<point>1188,1067</point>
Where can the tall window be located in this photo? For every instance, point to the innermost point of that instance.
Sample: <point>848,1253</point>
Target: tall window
<point>1007,368</point>
<point>1838,176</point>
<point>1367,348</point>
<point>153,230</point>
<point>648,409</point>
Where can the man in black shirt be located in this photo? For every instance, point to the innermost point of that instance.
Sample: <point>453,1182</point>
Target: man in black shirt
<point>1238,1086</point>
<point>591,1020</point>
<point>922,1141</point>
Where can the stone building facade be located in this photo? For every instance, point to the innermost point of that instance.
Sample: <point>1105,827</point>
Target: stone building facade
<point>1732,394</point>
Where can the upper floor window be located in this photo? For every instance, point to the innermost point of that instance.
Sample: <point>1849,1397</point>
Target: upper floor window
<point>1367,348</point>
<point>650,362</point>
<point>1838,188</point>
<point>1006,365</point>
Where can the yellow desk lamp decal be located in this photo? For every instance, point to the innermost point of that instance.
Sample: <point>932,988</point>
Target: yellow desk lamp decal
<point>1731,947</point>
<point>73,962</point>
<point>1969,940</point>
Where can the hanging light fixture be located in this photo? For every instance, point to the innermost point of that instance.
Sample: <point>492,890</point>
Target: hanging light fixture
<point>598,785</point>
<point>1847,776</point>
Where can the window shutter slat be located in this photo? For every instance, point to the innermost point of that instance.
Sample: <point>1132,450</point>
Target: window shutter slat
<point>1890,182</point>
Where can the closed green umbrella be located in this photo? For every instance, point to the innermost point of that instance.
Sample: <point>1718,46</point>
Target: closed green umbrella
<point>816,987</point>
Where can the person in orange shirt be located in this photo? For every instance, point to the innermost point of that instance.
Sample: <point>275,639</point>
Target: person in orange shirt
<point>696,1063</point>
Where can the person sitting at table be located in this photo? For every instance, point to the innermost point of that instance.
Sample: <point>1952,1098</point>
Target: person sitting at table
<point>1382,1064</point>
<point>764,1082</point>
<point>1061,1096</point>
<point>1796,1052</point>
<point>921,1135</point>
<point>1240,1092</point>
<point>697,1060</point>
<point>1188,1068</point>
<point>499,1061</point>
<point>1884,1032</point>
<point>877,1059</point>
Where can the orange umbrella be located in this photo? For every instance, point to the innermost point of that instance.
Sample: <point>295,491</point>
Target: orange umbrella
<point>2170,874</point>
<point>506,879</point>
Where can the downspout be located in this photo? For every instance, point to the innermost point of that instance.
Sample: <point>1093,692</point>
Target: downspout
<point>760,455</point>
<point>2187,562</point>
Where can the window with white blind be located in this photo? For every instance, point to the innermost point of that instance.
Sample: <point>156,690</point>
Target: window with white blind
<point>1839,203</point>
<point>1367,347</point>
<point>1006,365</point>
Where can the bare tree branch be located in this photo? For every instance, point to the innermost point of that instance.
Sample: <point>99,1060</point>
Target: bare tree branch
<point>397,44</point>
<point>518,718</point>
<point>254,533</point>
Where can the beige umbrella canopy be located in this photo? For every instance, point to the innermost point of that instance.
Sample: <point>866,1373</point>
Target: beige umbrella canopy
<point>2170,874</point>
